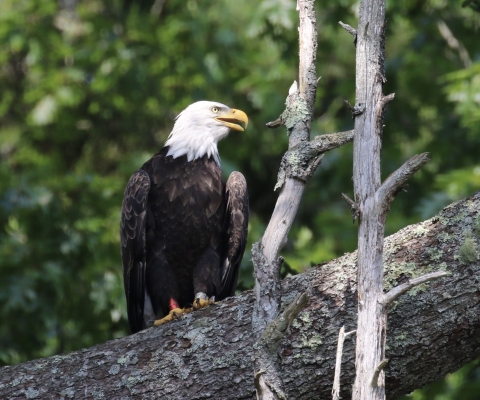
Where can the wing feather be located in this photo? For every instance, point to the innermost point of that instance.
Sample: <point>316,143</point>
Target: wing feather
<point>236,229</point>
<point>132,234</point>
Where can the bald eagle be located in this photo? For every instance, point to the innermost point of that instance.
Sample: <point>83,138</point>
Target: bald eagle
<point>183,229</point>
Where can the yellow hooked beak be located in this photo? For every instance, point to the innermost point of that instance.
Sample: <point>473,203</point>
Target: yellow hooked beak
<point>232,118</point>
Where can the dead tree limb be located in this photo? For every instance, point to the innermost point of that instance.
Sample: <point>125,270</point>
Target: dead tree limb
<point>297,167</point>
<point>434,329</point>
<point>297,118</point>
<point>372,201</point>
<point>338,362</point>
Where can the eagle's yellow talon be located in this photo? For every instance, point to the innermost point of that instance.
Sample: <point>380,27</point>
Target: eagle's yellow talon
<point>202,303</point>
<point>174,314</point>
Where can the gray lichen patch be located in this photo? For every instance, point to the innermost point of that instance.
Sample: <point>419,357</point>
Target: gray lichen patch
<point>296,323</point>
<point>305,317</point>
<point>445,237</point>
<point>401,336</point>
<point>294,158</point>
<point>453,214</point>
<point>390,249</point>
<point>197,337</point>
<point>303,321</point>
<point>297,109</point>
<point>98,393</point>
<point>296,161</point>
<point>407,270</point>
<point>476,226</point>
<point>467,252</point>
<point>114,369</point>
<point>434,254</point>
<point>128,358</point>
<point>395,270</point>
<point>68,393</point>
<point>137,377</point>
<point>176,365</point>
<point>417,289</point>
<point>309,341</point>
<point>421,229</point>
<point>229,359</point>
<point>341,282</point>
<point>32,393</point>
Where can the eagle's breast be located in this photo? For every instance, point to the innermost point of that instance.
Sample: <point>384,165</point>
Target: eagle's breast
<point>187,205</point>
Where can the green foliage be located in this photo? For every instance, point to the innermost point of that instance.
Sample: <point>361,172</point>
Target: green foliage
<point>464,385</point>
<point>473,4</point>
<point>88,94</point>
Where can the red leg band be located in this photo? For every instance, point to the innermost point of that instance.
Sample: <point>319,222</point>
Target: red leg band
<point>172,304</point>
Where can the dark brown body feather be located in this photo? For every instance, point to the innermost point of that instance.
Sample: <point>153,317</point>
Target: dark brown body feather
<point>183,231</point>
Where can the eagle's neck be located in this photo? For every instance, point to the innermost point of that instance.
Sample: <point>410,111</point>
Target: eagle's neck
<point>195,142</point>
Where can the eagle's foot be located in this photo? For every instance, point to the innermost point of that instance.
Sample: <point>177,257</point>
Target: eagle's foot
<point>202,303</point>
<point>174,314</point>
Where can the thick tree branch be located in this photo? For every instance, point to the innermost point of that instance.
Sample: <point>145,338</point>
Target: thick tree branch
<point>434,330</point>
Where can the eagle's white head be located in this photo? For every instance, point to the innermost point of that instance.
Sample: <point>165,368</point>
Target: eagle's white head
<point>200,126</point>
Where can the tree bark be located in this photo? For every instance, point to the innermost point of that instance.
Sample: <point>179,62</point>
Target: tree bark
<point>372,316</point>
<point>434,329</point>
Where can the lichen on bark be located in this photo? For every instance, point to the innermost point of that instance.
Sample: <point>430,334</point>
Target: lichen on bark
<point>296,110</point>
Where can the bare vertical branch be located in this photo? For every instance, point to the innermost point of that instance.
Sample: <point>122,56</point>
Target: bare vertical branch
<point>265,254</point>
<point>338,363</point>
<point>287,204</point>
<point>372,201</point>
<point>370,346</point>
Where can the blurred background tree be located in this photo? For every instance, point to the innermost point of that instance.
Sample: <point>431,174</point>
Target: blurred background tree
<point>89,91</point>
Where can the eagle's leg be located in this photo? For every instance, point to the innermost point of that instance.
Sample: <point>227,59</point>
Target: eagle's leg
<point>163,289</point>
<point>206,278</point>
<point>175,312</point>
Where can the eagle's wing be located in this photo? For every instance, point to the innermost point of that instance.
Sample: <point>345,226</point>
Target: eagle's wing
<point>236,228</point>
<point>132,236</point>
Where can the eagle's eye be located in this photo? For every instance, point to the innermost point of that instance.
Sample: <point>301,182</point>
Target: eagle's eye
<point>214,109</point>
